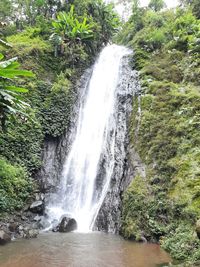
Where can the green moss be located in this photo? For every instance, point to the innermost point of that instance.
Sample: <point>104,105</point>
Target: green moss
<point>186,179</point>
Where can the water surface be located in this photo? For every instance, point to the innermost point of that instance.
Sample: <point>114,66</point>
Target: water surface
<point>80,250</point>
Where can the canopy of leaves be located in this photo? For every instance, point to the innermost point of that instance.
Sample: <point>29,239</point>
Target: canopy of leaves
<point>157,5</point>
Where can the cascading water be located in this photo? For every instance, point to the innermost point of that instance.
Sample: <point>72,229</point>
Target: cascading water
<point>78,196</point>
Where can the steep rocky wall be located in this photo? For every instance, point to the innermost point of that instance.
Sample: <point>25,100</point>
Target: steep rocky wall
<point>56,149</point>
<point>127,162</point>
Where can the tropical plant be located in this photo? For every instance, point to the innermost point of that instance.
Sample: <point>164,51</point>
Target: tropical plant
<point>69,29</point>
<point>186,29</point>
<point>5,44</point>
<point>11,100</point>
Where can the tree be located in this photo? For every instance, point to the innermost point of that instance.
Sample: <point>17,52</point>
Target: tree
<point>137,15</point>
<point>11,100</point>
<point>106,19</point>
<point>157,5</point>
<point>194,4</point>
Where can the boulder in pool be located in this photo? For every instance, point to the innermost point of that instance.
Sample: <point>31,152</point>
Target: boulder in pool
<point>67,225</point>
<point>4,237</point>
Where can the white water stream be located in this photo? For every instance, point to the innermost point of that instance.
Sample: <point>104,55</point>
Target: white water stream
<point>95,134</point>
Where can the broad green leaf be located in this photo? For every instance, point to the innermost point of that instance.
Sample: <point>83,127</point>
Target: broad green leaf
<point>6,63</point>
<point>16,89</point>
<point>14,65</point>
<point>9,73</point>
<point>1,56</point>
<point>5,44</point>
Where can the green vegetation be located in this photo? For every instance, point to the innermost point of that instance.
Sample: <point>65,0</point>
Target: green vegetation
<point>10,100</point>
<point>165,205</point>
<point>56,41</point>
<point>15,186</point>
<point>57,107</point>
<point>68,30</point>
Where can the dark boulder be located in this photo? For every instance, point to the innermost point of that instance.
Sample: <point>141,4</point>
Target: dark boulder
<point>67,225</point>
<point>4,237</point>
<point>37,207</point>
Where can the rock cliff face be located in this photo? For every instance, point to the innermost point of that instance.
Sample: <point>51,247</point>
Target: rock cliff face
<point>127,162</point>
<point>56,149</point>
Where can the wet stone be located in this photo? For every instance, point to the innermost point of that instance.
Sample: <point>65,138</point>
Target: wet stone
<point>4,237</point>
<point>67,225</point>
<point>37,207</point>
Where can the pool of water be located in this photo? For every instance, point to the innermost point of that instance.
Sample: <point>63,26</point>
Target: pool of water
<point>80,250</point>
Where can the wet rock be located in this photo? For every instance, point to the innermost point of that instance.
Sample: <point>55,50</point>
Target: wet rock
<point>109,216</point>
<point>31,233</point>
<point>12,227</point>
<point>24,218</point>
<point>21,230</point>
<point>67,225</point>
<point>142,239</point>
<point>43,223</point>
<point>55,226</point>
<point>39,196</point>
<point>37,207</point>
<point>26,208</point>
<point>27,232</point>
<point>37,218</point>
<point>4,237</point>
<point>198,228</point>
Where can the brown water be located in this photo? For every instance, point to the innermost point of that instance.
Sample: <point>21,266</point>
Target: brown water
<point>80,250</point>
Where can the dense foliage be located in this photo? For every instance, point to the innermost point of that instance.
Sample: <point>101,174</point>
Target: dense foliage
<point>10,100</point>
<point>56,40</point>
<point>15,186</point>
<point>165,205</point>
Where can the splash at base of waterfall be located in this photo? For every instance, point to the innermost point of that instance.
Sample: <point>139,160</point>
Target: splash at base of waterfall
<point>80,194</point>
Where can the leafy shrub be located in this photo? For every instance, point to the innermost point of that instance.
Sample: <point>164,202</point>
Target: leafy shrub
<point>15,186</point>
<point>11,100</point>
<point>22,142</point>
<point>57,107</point>
<point>154,19</point>
<point>144,214</point>
<point>181,242</point>
<point>25,43</point>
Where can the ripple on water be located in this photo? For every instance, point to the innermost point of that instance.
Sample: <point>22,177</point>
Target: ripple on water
<point>80,250</point>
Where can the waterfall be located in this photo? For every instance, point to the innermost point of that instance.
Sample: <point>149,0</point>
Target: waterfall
<point>79,194</point>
